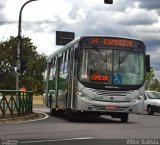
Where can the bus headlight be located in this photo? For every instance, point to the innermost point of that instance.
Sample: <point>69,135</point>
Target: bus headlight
<point>137,99</point>
<point>84,96</point>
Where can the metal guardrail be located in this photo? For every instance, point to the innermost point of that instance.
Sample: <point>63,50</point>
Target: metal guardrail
<point>14,102</point>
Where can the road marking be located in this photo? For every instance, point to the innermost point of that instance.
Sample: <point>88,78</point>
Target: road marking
<point>55,140</point>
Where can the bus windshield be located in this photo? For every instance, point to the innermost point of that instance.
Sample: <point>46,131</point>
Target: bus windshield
<point>112,67</point>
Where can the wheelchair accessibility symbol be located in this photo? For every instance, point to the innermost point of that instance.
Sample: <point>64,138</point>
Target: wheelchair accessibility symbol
<point>117,79</point>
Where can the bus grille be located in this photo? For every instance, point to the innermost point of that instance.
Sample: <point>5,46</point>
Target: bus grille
<point>111,93</point>
<point>111,96</point>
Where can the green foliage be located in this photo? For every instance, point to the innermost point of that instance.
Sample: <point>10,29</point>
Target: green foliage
<point>149,77</point>
<point>155,85</point>
<point>151,82</point>
<point>32,65</point>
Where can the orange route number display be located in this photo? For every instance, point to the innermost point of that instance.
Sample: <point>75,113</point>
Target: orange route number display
<point>99,78</point>
<point>112,42</point>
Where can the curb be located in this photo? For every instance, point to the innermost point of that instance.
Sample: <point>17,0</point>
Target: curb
<point>17,119</point>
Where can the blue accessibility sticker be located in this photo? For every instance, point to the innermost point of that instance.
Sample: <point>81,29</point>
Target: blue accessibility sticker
<point>117,79</point>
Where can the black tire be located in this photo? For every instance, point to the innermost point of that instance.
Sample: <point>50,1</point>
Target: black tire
<point>124,118</point>
<point>53,112</point>
<point>46,101</point>
<point>50,101</point>
<point>150,110</point>
<point>71,116</point>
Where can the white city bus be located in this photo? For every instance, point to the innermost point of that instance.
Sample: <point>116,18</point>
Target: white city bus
<point>96,75</point>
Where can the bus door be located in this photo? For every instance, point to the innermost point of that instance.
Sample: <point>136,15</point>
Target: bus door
<point>70,79</point>
<point>46,96</point>
<point>56,73</point>
<point>63,81</point>
<point>59,82</point>
<point>52,83</point>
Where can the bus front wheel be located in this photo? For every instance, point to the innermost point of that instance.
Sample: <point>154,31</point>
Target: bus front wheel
<point>124,118</point>
<point>71,116</point>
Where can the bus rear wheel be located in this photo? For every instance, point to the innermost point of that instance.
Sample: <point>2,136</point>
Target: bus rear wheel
<point>53,111</point>
<point>124,118</point>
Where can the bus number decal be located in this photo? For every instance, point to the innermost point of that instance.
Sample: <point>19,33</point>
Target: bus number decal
<point>94,41</point>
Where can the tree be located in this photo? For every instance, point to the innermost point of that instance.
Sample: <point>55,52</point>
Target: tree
<point>149,77</point>
<point>7,64</point>
<point>32,65</point>
<point>155,85</point>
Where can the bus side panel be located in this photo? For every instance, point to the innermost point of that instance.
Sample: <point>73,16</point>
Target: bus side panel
<point>65,82</point>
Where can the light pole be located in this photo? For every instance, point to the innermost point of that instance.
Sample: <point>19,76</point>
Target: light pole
<point>20,44</point>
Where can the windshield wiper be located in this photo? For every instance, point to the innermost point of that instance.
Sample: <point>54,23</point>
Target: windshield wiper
<point>124,58</point>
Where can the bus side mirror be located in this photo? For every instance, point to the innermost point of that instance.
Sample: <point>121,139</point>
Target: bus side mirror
<point>108,1</point>
<point>147,63</point>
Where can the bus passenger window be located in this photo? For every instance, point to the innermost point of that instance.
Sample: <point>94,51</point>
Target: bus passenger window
<point>61,64</point>
<point>54,67</point>
<point>66,60</point>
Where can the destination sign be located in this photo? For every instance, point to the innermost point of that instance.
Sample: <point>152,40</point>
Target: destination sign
<point>113,41</point>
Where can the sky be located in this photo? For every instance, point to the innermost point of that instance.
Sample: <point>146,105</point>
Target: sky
<point>41,19</point>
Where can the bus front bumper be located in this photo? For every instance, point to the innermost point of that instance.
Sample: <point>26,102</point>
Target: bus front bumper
<point>109,107</point>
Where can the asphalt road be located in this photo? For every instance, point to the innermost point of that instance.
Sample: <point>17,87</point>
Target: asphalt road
<point>140,129</point>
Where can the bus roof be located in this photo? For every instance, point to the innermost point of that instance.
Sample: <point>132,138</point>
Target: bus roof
<point>67,46</point>
<point>76,40</point>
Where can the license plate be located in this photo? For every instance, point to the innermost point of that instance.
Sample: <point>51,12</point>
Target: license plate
<point>111,108</point>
